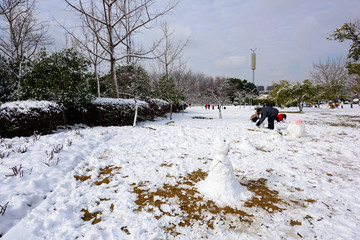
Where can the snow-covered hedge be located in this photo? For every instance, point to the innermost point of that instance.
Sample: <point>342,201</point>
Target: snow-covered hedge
<point>112,112</point>
<point>120,112</point>
<point>180,106</point>
<point>158,107</point>
<point>23,118</point>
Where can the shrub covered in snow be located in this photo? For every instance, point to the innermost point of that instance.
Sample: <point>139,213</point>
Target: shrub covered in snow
<point>180,106</point>
<point>120,112</point>
<point>158,107</point>
<point>23,118</point>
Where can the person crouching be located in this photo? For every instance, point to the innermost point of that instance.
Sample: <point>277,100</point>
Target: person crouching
<point>267,112</point>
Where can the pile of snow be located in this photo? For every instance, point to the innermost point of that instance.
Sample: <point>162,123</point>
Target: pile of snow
<point>221,185</point>
<point>119,101</point>
<point>296,129</point>
<point>26,106</point>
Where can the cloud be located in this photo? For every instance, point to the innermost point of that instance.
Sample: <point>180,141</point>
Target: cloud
<point>231,62</point>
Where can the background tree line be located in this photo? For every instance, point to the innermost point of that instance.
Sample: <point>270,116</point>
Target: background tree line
<point>335,79</point>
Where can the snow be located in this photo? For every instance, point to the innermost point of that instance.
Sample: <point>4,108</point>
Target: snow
<point>26,106</point>
<point>296,129</point>
<point>142,182</point>
<point>221,185</point>
<point>116,101</point>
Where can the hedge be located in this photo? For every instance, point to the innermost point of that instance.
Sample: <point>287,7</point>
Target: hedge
<point>23,118</point>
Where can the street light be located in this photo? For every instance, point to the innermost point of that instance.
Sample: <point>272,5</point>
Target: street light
<point>253,66</point>
<point>253,62</point>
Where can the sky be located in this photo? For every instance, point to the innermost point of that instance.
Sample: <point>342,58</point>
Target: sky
<point>289,36</point>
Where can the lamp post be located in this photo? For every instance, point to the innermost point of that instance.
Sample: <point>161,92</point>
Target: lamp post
<point>253,63</point>
<point>253,66</point>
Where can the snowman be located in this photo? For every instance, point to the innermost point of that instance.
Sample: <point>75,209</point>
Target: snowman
<point>221,185</point>
<point>296,129</point>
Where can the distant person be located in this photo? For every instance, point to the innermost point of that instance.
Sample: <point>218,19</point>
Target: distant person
<point>267,112</point>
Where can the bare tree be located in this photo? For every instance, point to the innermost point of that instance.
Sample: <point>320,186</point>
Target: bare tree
<point>22,34</point>
<point>172,67</point>
<point>332,76</point>
<point>90,45</point>
<point>219,91</point>
<point>116,21</point>
<point>170,54</point>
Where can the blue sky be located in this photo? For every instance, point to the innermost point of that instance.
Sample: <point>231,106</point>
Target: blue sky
<point>290,35</point>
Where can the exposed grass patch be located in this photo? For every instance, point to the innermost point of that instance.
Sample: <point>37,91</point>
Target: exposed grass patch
<point>106,174</point>
<point>183,201</point>
<point>342,124</point>
<point>295,223</point>
<point>166,165</point>
<point>264,197</point>
<point>191,205</point>
<point>88,216</point>
<point>253,130</point>
<point>262,150</point>
<point>198,117</point>
<point>82,178</point>
<point>181,205</point>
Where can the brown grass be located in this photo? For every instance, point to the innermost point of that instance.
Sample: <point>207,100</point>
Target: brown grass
<point>193,208</point>
<point>187,204</point>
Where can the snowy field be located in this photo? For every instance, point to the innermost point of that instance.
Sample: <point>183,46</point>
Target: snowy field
<point>142,183</point>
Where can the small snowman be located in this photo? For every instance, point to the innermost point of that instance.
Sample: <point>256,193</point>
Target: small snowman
<point>245,144</point>
<point>296,129</point>
<point>221,185</point>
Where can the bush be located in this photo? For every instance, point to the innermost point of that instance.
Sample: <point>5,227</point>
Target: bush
<point>7,80</point>
<point>180,106</point>
<point>158,107</point>
<point>23,118</point>
<point>60,77</point>
<point>120,112</point>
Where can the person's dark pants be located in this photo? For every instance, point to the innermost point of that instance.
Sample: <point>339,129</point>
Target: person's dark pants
<point>271,120</point>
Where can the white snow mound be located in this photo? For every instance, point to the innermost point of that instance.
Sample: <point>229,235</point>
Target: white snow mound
<point>221,185</point>
<point>296,129</point>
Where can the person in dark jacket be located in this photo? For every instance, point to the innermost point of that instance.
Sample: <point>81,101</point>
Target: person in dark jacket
<point>267,112</point>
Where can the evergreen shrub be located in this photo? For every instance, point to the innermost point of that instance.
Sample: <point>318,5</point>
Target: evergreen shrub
<point>23,118</point>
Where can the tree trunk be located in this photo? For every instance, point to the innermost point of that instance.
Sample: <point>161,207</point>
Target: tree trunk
<point>171,107</point>
<point>97,80</point>
<point>64,117</point>
<point>220,114</point>
<point>301,105</point>
<point>113,78</point>
<point>136,112</point>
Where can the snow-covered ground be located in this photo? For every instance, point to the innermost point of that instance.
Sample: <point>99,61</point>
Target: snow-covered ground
<point>141,183</point>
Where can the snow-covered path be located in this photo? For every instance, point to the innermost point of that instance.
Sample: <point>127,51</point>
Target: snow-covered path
<point>140,183</point>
